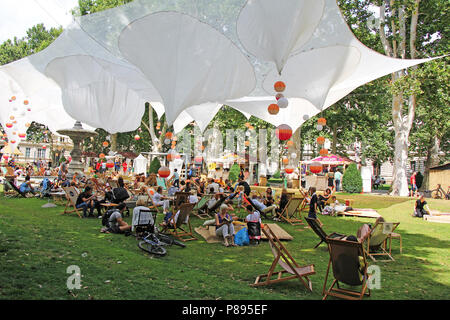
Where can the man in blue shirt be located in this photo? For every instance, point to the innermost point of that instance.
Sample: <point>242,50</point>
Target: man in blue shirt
<point>262,208</point>
<point>176,178</point>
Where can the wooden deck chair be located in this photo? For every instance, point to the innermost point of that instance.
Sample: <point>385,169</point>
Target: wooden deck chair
<point>200,204</point>
<point>284,259</point>
<point>72,195</point>
<point>161,182</point>
<point>348,260</point>
<point>180,198</point>
<point>176,228</point>
<point>377,244</point>
<point>290,211</point>
<point>315,226</point>
<point>305,201</point>
<point>16,191</point>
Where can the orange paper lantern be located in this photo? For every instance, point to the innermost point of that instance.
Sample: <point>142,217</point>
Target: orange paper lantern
<point>323,152</point>
<point>9,125</point>
<point>171,156</point>
<point>247,143</point>
<point>247,124</point>
<point>315,167</point>
<point>12,117</point>
<point>279,86</point>
<point>22,135</point>
<point>320,140</point>
<point>273,108</point>
<point>105,144</point>
<point>101,155</point>
<point>13,141</point>
<point>164,172</point>
<point>283,132</point>
<point>285,161</point>
<point>322,121</point>
<point>13,98</point>
<point>137,137</point>
<point>25,102</point>
<point>290,143</point>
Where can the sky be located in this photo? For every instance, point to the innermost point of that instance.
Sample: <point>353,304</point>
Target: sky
<point>17,16</point>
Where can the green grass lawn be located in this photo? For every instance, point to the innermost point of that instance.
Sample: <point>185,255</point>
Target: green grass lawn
<point>37,245</point>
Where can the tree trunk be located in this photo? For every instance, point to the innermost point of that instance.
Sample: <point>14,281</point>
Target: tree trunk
<point>114,142</point>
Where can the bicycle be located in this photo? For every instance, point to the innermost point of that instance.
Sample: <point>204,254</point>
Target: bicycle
<point>439,193</point>
<point>152,241</point>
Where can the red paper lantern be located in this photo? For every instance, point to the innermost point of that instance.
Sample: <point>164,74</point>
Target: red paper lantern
<point>9,125</point>
<point>273,108</point>
<point>137,137</point>
<point>322,121</point>
<point>164,172</point>
<point>283,132</point>
<point>289,170</point>
<point>110,164</point>
<point>169,135</point>
<point>22,135</point>
<point>323,152</point>
<point>320,140</point>
<point>315,167</point>
<point>44,147</point>
<point>105,144</point>
<point>279,86</point>
<point>13,141</point>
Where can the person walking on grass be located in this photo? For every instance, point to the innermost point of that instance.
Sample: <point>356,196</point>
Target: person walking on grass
<point>337,180</point>
<point>412,180</point>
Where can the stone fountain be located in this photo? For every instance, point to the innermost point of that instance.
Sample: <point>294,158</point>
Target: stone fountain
<point>77,134</point>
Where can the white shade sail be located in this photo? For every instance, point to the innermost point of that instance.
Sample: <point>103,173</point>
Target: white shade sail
<point>188,58</point>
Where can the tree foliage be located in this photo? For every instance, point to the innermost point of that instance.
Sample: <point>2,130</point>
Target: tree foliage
<point>352,180</point>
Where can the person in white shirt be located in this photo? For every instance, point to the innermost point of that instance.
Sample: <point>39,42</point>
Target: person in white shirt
<point>159,200</point>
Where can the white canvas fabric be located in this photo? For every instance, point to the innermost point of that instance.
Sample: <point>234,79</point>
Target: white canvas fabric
<point>187,58</point>
<point>140,164</point>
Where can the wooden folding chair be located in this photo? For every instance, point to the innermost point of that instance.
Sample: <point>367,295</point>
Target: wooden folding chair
<point>180,198</point>
<point>284,259</point>
<point>200,204</point>
<point>377,243</point>
<point>315,226</point>
<point>16,191</point>
<point>175,228</point>
<point>306,199</point>
<point>72,195</point>
<point>291,211</point>
<point>349,263</point>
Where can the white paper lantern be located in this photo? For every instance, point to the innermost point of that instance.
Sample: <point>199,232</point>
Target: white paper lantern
<point>283,103</point>
<point>166,141</point>
<point>293,155</point>
<point>319,127</point>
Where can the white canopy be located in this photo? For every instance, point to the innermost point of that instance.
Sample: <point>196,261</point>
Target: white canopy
<point>140,164</point>
<point>187,58</point>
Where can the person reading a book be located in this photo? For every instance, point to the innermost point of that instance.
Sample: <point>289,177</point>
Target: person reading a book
<point>224,226</point>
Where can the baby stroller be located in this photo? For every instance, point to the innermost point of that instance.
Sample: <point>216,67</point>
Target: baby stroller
<point>254,232</point>
<point>46,187</point>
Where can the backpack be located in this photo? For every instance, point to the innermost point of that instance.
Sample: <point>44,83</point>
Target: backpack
<point>241,238</point>
<point>106,216</point>
<point>120,194</point>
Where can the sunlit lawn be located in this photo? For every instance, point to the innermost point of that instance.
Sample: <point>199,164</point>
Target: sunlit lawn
<point>37,245</point>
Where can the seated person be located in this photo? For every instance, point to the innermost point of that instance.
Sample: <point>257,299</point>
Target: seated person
<point>115,221</point>
<point>268,198</point>
<point>323,199</point>
<point>160,201</point>
<point>192,199</point>
<point>209,205</point>
<point>26,186</point>
<point>254,216</point>
<point>224,226</point>
<point>262,208</point>
<point>360,256</point>
<point>336,207</point>
<point>85,200</point>
<point>246,186</point>
<point>213,184</point>
<point>284,200</point>
<point>421,207</point>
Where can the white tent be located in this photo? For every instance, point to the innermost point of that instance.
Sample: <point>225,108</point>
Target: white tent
<point>140,164</point>
<point>187,58</point>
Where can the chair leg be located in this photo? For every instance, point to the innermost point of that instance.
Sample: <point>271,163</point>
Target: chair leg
<point>318,244</point>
